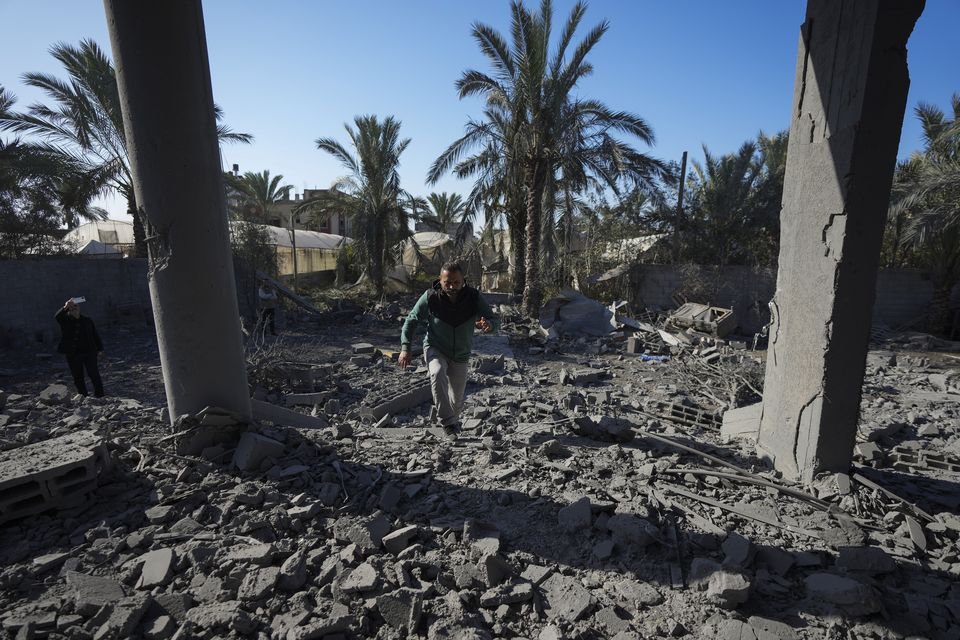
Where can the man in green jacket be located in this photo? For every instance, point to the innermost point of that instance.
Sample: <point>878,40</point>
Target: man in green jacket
<point>451,309</point>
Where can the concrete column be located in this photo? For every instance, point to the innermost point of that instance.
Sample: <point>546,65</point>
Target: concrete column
<point>848,105</point>
<point>160,54</point>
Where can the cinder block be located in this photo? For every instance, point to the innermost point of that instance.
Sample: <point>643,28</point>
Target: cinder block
<point>396,401</point>
<point>49,474</point>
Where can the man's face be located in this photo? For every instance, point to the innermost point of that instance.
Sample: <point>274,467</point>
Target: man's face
<point>451,282</point>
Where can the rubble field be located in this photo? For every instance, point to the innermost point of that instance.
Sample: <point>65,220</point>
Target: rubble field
<point>596,491</point>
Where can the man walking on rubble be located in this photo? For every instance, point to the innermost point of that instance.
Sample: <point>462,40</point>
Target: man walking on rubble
<point>451,309</point>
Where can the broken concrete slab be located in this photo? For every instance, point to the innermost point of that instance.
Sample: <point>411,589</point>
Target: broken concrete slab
<point>397,541</point>
<point>363,578</point>
<point>257,583</point>
<point>401,609</point>
<point>286,417</point>
<point>729,588</point>
<point>157,568</point>
<point>565,598</point>
<point>738,551</point>
<point>253,449</point>
<point>631,532</point>
<point>396,400</point>
<point>742,423</point>
<point>483,538</point>
<point>92,592</point>
<point>54,394</point>
<point>865,559</point>
<point>852,596</point>
<point>575,517</point>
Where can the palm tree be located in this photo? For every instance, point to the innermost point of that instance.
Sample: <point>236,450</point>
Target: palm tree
<point>733,210</point>
<point>931,198</point>
<point>86,124</point>
<point>546,126</point>
<point>258,193</point>
<point>498,178</point>
<point>370,194</point>
<point>445,211</point>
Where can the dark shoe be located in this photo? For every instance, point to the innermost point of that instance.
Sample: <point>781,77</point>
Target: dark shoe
<point>452,431</point>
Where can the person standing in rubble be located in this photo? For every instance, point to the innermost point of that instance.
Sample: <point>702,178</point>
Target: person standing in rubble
<point>267,301</point>
<point>451,310</point>
<point>80,343</point>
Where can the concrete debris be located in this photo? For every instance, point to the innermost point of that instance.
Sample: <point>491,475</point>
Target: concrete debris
<point>401,609</point>
<point>852,596</point>
<point>565,598</point>
<point>254,449</point>
<point>43,476</point>
<point>591,494</point>
<point>715,321</point>
<point>575,517</point>
<point>742,423</point>
<point>728,588</point>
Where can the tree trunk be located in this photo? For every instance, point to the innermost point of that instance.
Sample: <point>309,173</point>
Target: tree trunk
<point>379,242</point>
<point>518,249</point>
<point>139,231</point>
<point>533,291</point>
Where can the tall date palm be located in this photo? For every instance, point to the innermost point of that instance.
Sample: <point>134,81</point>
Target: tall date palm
<point>547,124</point>
<point>370,194</point>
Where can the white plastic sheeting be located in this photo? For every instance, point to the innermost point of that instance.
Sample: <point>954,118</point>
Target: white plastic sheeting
<point>96,249</point>
<point>108,232</point>
<point>429,249</point>
<point>305,239</point>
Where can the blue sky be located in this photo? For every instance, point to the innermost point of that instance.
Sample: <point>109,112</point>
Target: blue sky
<point>700,72</point>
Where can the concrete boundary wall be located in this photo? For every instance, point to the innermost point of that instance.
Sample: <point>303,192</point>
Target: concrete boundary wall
<point>33,290</point>
<point>902,294</point>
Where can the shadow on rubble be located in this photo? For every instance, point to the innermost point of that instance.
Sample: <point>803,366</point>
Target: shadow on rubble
<point>929,494</point>
<point>634,537</point>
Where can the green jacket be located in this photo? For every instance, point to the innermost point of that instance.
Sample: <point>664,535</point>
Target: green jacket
<point>449,325</point>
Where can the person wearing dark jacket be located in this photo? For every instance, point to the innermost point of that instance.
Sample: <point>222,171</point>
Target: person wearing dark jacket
<point>80,343</point>
<point>451,309</point>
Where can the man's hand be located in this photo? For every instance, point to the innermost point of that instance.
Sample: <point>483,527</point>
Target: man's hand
<point>484,325</point>
<point>404,359</point>
<point>70,305</point>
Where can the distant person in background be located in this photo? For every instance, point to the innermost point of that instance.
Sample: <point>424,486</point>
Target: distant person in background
<point>80,343</point>
<point>267,299</point>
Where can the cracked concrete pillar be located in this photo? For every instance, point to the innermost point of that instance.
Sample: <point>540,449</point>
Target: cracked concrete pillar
<point>160,54</point>
<point>848,104</point>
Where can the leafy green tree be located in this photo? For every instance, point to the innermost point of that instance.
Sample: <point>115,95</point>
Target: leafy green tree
<point>370,194</point>
<point>547,129</point>
<point>85,124</point>
<point>40,192</point>
<point>927,192</point>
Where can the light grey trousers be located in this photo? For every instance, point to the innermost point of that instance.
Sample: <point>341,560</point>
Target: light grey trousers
<point>448,380</point>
